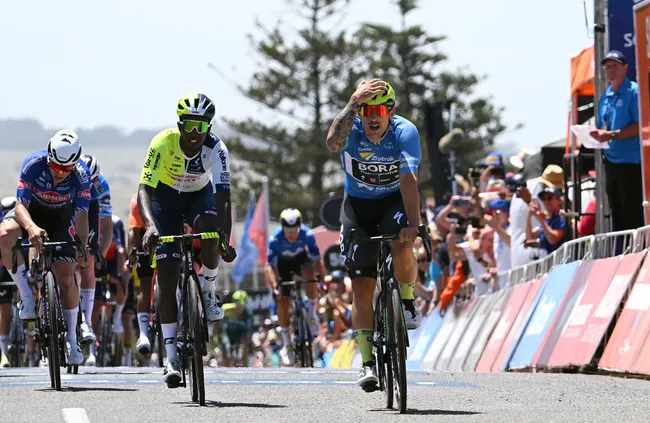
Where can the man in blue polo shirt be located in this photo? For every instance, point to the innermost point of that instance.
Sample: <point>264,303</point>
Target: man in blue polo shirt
<point>618,123</point>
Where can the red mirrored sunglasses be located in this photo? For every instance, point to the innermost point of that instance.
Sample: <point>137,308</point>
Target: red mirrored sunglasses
<point>380,110</point>
<point>60,168</point>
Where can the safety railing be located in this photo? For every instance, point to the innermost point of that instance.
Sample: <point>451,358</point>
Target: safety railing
<point>537,268</point>
<point>614,244</point>
<point>577,249</point>
<point>517,275</point>
<point>642,240</point>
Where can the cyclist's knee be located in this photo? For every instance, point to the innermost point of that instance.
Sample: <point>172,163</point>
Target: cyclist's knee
<point>9,232</point>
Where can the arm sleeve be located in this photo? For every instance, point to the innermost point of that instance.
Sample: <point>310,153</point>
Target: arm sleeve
<point>271,253</point>
<point>152,167</point>
<point>314,252</point>
<point>25,181</point>
<point>221,168</point>
<point>410,149</point>
<point>82,200</point>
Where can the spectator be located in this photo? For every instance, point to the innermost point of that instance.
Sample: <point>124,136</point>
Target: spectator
<point>618,124</point>
<point>479,255</point>
<point>553,176</point>
<point>499,220</point>
<point>587,224</point>
<point>554,228</point>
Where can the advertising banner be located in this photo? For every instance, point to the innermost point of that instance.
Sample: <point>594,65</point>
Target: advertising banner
<point>620,25</point>
<point>488,327</point>
<point>463,320</point>
<point>642,25</point>
<point>471,332</point>
<point>557,283</point>
<point>632,326</point>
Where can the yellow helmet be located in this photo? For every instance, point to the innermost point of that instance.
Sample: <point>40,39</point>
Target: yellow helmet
<point>386,97</point>
<point>196,104</point>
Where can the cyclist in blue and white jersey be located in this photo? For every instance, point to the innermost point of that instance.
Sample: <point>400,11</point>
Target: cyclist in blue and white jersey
<point>100,226</point>
<point>54,186</point>
<point>380,153</point>
<point>292,249</point>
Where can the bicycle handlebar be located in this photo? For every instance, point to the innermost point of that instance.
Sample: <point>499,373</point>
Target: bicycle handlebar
<point>46,246</point>
<point>229,253</point>
<point>423,233</point>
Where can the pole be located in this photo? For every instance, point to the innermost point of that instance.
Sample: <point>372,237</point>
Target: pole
<point>452,153</point>
<point>600,40</point>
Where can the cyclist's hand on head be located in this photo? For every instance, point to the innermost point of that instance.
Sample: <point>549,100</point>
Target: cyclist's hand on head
<point>368,89</point>
<point>36,237</point>
<point>408,234</point>
<point>149,238</point>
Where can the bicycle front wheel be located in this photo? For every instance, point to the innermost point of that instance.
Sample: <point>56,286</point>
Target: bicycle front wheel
<point>398,347</point>
<point>306,355</point>
<point>197,336</point>
<point>54,351</point>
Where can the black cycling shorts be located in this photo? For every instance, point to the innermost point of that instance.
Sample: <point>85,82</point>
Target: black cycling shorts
<point>370,217</point>
<point>58,225</point>
<point>143,269</point>
<point>6,291</point>
<point>287,268</point>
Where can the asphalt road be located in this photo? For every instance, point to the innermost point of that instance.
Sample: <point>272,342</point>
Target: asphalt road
<point>319,395</point>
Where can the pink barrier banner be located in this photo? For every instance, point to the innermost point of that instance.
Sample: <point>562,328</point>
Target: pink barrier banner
<point>567,349</point>
<point>450,347</point>
<point>562,316</point>
<point>507,348</point>
<point>471,332</point>
<point>632,326</point>
<point>487,329</point>
<point>503,326</point>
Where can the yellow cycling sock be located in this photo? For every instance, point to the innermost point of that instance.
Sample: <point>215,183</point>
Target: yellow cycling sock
<point>406,290</point>
<point>364,342</point>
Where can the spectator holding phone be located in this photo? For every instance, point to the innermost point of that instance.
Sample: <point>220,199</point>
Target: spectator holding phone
<point>499,220</point>
<point>479,255</point>
<point>553,232</point>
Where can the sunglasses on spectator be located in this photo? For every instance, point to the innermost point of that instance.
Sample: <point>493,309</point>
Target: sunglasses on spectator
<point>546,197</point>
<point>199,126</point>
<point>60,168</point>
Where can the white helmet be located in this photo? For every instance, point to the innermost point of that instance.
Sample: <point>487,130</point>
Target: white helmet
<point>64,148</point>
<point>93,165</point>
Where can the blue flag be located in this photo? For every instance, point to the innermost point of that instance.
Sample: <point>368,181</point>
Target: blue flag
<point>247,252</point>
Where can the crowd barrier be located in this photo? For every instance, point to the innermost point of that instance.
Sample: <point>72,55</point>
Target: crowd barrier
<point>585,307</point>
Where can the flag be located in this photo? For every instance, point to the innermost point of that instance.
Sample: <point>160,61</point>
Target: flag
<point>247,251</point>
<point>259,227</point>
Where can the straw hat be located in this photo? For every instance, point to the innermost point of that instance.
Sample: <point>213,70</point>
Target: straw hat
<point>518,159</point>
<point>553,176</point>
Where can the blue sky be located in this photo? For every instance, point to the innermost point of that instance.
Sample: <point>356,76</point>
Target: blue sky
<point>125,63</point>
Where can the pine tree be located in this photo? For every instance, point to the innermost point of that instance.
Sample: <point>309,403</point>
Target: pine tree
<point>309,81</point>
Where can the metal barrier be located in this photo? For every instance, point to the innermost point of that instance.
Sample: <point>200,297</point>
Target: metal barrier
<point>538,268</point>
<point>577,249</point>
<point>614,243</point>
<point>517,276</point>
<point>642,239</point>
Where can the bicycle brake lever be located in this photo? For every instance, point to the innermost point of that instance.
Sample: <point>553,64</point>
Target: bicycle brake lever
<point>423,232</point>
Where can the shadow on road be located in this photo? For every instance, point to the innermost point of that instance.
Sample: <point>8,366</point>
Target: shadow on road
<point>90,388</point>
<point>416,411</point>
<point>209,403</point>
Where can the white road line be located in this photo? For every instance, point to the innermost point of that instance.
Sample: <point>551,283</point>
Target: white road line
<point>147,381</point>
<point>426,383</point>
<point>99,381</point>
<point>75,415</point>
<point>344,382</point>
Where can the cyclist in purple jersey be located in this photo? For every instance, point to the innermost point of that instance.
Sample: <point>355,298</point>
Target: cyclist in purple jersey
<point>54,186</point>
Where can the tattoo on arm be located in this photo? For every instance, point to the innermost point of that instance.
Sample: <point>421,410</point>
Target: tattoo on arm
<point>341,126</point>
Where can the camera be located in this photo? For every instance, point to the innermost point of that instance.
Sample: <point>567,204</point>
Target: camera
<point>514,182</point>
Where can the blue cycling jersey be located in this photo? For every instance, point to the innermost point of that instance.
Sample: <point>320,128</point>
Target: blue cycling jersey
<point>281,249</point>
<point>36,184</point>
<point>101,191</point>
<point>372,170</point>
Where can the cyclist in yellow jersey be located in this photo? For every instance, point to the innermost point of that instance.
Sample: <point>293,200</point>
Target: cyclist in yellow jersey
<point>186,176</point>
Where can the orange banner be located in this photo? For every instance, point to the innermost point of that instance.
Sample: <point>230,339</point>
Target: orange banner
<point>642,31</point>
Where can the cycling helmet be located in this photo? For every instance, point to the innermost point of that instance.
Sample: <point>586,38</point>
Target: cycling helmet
<point>290,218</point>
<point>8,203</point>
<point>93,165</point>
<point>64,148</point>
<point>386,97</point>
<point>338,275</point>
<point>240,296</point>
<point>196,105</point>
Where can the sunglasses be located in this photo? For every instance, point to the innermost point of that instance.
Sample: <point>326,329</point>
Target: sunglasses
<point>546,198</point>
<point>59,168</point>
<point>380,110</point>
<point>291,230</point>
<point>199,126</point>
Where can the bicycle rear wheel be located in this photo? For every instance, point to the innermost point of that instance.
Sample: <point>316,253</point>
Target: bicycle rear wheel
<point>160,342</point>
<point>17,341</point>
<point>397,343</point>
<point>196,334</point>
<point>306,357</point>
<point>104,337</point>
<point>54,350</point>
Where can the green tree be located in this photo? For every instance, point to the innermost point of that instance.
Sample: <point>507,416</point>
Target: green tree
<point>409,59</point>
<point>308,80</point>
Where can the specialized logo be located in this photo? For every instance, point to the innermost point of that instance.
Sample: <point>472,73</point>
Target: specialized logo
<point>398,217</point>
